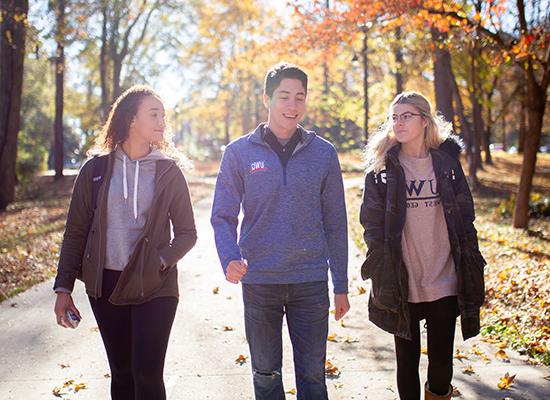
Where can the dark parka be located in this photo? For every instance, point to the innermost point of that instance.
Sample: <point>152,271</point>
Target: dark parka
<point>383,215</point>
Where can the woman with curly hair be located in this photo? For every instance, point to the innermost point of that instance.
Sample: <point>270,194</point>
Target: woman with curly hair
<point>130,221</point>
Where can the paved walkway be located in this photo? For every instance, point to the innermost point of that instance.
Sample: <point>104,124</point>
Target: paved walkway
<point>37,356</point>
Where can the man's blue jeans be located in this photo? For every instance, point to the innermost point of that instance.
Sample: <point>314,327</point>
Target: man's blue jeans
<point>306,306</point>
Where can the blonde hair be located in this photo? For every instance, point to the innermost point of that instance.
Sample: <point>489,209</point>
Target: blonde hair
<point>437,131</point>
<point>115,131</point>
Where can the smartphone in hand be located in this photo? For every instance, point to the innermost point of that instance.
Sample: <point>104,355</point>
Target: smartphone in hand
<point>73,319</point>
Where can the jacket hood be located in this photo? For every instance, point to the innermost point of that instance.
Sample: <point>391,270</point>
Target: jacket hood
<point>453,146</point>
<point>142,163</point>
<point>153,155</point>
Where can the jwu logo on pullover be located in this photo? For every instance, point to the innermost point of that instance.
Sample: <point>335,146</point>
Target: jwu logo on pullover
<point>422,193</point>
<point>257,166</point>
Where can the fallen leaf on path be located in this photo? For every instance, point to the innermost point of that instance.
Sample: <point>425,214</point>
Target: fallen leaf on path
<point>292,392</point>
<point>241,360</point>
<point>460,356</point>
<point>456,392</point>
<point>80,386</point>
<point>216,290</point>
<point>506,381</point>
<point>477,351</point>
<point>332,337</point>
<point>227,328</point>
<point>58,392</point>
<point>501,355</point>
<point>350,340</point>
<point>362,290</point>
<point>424,350</point>
<point>469,370</point>
<point>331,370</point>
<point>107,375</point>
<point>64,365</point>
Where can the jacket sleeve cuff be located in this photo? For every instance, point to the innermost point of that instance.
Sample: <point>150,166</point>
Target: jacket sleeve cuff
<point>168,257</point>
<point>227,260</point>
<point>340,287</point>
<point>62,290</point>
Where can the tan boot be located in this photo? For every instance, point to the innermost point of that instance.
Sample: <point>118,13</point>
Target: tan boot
<point>430,396</point>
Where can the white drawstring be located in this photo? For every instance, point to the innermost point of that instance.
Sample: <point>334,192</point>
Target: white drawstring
<point>136,179</point>
<point>124,180</point>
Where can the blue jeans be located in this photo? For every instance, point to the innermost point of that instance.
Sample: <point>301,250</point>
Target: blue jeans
<point>307,307</point>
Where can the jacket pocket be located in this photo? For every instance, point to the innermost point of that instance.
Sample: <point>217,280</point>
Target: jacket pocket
<point>473,281</point>
<point>87,260</point>
<point>152,276</point>
<point>379,269</point>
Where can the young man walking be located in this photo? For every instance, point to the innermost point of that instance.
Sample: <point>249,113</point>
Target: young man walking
<point>289,184</point>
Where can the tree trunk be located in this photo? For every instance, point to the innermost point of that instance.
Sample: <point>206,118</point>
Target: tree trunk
<point>117,69</point>
<point>398,51</point>
<point>488,131</point>
<point>504,141</point>
<point>442,76</point>
<point>465,125</point>
<point>478,131</point>
<point>246,88</point>
<point>487,138</point>
<point>364,54</point>
<point>103,62</point>
<point>227,120</point>
<point>536,102</point>
<point>113,47</point>
<point>59,82</point>
<point>12,55</point>
<point>257,102</point>
<point>522,125</point>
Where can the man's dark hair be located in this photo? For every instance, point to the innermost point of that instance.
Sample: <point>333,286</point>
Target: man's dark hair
<point>279,72</point>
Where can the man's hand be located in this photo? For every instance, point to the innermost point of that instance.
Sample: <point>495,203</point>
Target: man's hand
<point>341,305</point>
<point>63,303</point>
<point>236,269</point>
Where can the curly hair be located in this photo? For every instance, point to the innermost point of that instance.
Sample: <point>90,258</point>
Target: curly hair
<point>116,128</point>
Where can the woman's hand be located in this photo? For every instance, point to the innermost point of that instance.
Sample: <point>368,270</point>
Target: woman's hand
<point>63,303</point>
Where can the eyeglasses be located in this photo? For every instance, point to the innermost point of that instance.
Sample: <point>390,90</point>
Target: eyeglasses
<point>405,117</point>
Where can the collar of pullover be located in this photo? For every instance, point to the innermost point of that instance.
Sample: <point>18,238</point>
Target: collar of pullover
<point>257,136</point>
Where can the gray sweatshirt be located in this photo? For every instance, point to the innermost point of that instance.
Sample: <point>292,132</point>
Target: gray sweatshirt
<point>130,195</point>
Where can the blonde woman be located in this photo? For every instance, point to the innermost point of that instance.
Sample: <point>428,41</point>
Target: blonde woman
<point>119,241</point>
<point>423,257</point>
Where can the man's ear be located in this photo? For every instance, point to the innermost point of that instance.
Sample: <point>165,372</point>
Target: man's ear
<point>267,100</point>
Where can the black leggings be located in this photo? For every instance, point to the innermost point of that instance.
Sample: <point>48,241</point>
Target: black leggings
<point>440,318</point>
<point>135,338</point>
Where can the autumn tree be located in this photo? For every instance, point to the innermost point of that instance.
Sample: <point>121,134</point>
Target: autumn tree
<point>13,15</point>
<point>59,7</point>
<point>526,44</point>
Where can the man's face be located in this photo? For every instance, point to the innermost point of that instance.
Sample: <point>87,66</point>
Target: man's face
<point>287,105</point>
